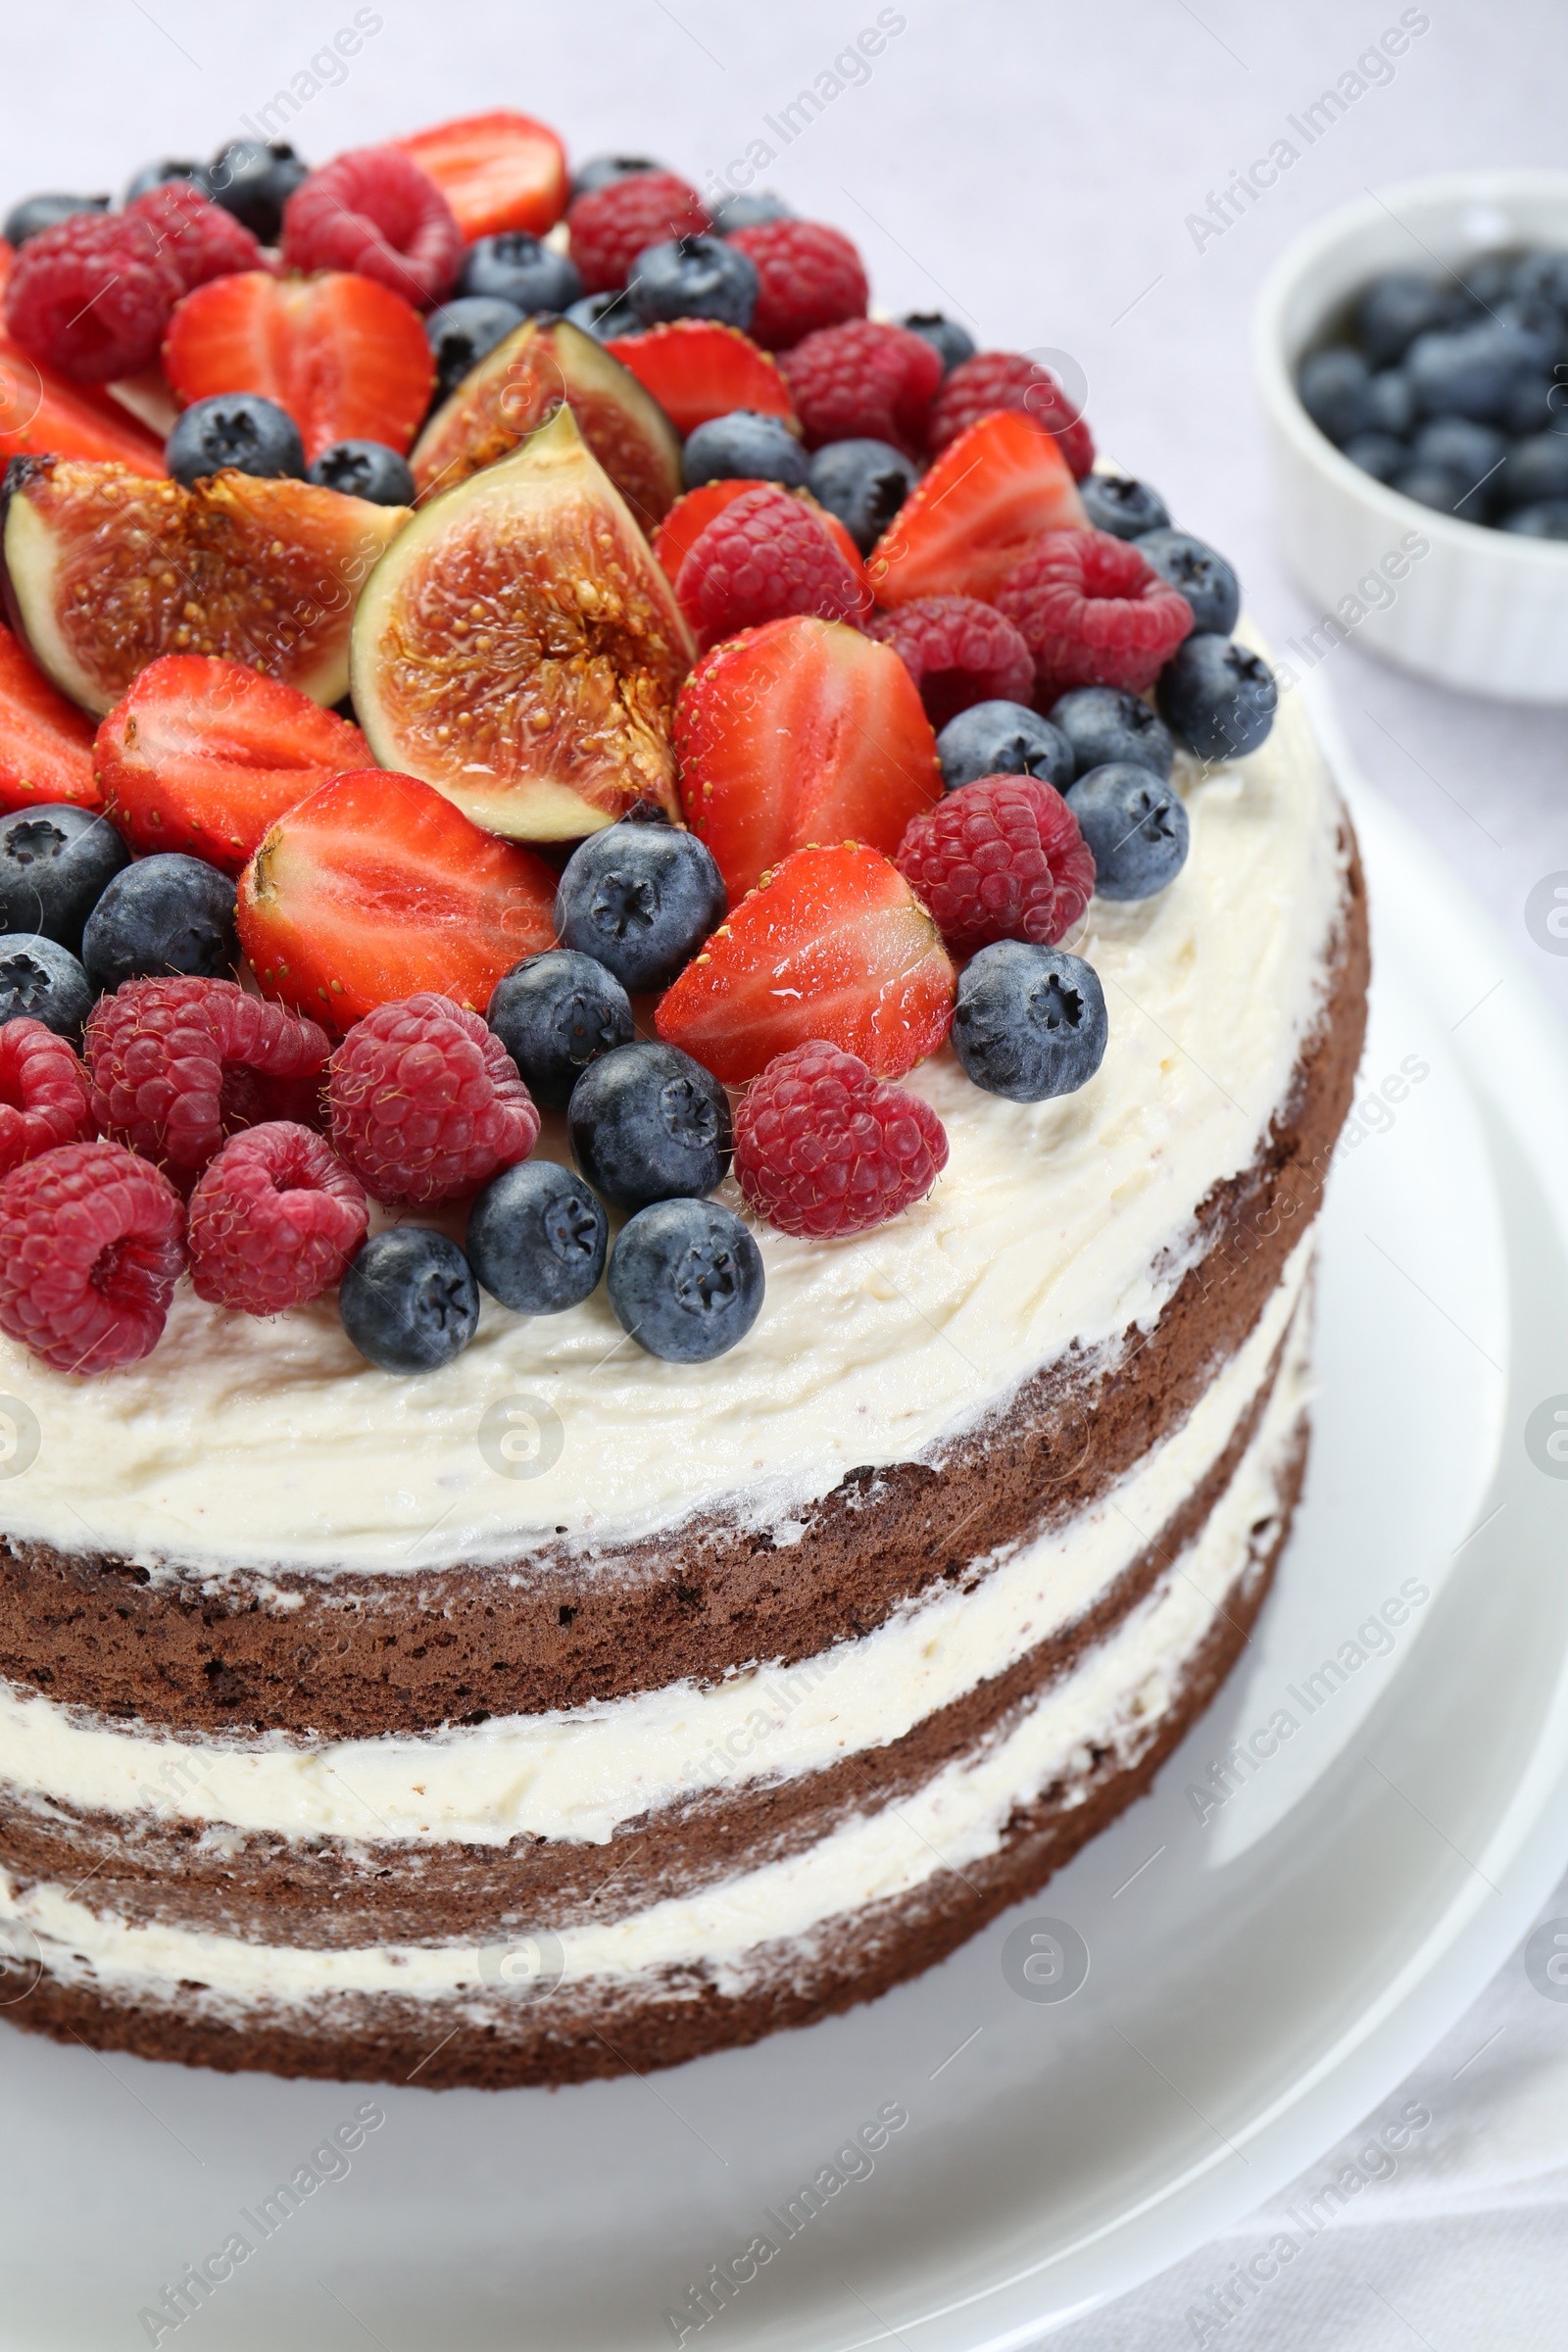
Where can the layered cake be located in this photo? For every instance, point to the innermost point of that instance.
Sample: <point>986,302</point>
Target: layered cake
<point>527,1686</point>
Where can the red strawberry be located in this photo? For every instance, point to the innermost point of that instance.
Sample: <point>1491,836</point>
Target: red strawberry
<point>376,887</point>
<point>797,732</point>
<point>696,369</point>
<point>497,171</point>
<point>45,742</point>
<point>976,514</point>
<point>832,944</point>
<point>691,516</point>
<point>203,756</point>
<point>346,357</point>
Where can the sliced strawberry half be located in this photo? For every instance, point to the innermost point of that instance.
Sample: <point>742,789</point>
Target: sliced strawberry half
<point>689,517</point>
<point>376,886</point>
<point>497,171</point>
<point>696,369</point>
<point>801,732</point>
<point>45,742</point>
<point>345,355</point>
<point>976,512</point>
<point>203,756</point>
<point>832,944</point>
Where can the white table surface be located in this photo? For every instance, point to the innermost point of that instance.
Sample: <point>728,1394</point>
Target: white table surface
<point>1030,169</point>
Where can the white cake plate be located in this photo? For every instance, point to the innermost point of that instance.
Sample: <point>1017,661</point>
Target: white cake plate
<point>1259,1977</point>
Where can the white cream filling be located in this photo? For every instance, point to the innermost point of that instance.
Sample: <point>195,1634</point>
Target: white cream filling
<point>250,1443</point>
<point>1115,1698</point>
<point>579,1773</point>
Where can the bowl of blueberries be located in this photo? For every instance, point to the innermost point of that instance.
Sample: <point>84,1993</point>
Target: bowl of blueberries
<point>1412,354</point>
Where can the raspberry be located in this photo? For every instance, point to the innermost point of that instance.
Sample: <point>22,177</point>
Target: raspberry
<point>1093,612</point>
<point>808,276</point>
<point>763,557</point>
<point>43,1094</point>
<point>93,295</point>
<point>374,210</point>
<point>91,1247</point>
<point>610,226</point>
<point>179,1064</point>
<point>198,236</point>
<point>998,858</point>
<point>274,1221</point>
<point>863,381</point>
<point>1007,379</point>
<point>426,1102</point>
<point>958,651</point>
<point>822,1148</point>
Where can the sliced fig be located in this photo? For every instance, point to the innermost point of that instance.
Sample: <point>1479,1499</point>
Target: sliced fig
<point>519,647</point>
<point>523,382</point>
<point>105,572</point>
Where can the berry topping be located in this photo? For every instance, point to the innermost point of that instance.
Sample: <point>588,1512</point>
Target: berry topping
<point>1218,697</point>
<point>537,1239</point>
<point>698,369</point>
<point>555,1014</point>
<point>1093,613</point>
<point>91,1247</point>
<point>45,742</point>
<point>1007,379</point>
<point>44,413</point>
<point>746,445</point>
<point>950,341</point>
<point>1116,502</point>
<point>1003,739</point>
<point>821,1149</point>
<point>958,652</point>
<point>648,1123</point>
<point>764,556</point>
<point>611,225</point>
<point>92,296</point>
<point>234,428</point>
<point>975,513</point>
<point>40,981</point>
<point>274,1220</point>
<point>55,865</point>
<point>1030,1022</point>
<point>200,237</point>
<point>1135,825</point>
<point>409,1300</point>
<point>162,914</point>
<point>521,270</point>
<point>178,1065</point>
<point>254,179</point>
<point>426,1102</point>
<point>1204,577</point>
<point>203,756</point>
<point>367,470</point>
<point>695,510</point>
<point>1105,725</point>
<point>748,209</point>
<point>603,171</point>
<point>44,1100</point>
<point>999,858</point>
<point>461,332</point>
<point>686,1280</point>
<point>693,278</point>
<point>375,212</point>
<point>499,170</point>
<point>808,277</point>
<point>35,212</point>
<point>611,319</point>
<point>640,897</point>
<point>833,944</point>
<point>797,732</point>
<point>863,483</point>
<point>863,381</point>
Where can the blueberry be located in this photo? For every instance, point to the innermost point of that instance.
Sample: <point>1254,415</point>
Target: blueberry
<point>863,483</point>
<point>516,268</point>
<point>603,316</point>
<point>603,171</point>
<point>1538,318</point>
<point>162,914</point>
<point>556,1014</point>
<point>1104,723</point>
<point>1029,1022</point>
<point>1377,453</point>
<point>1472,370</point>
<point>1542,276</point>
<point>648,1123</point>
<point>1116,502</point>
<point>158,174</point>
<point>365,469</point>
<point>1487,281</point>
<point>537,1238</point>
<point>746,443</point>
<point>642,898</point>
<point>1533,469</point>
<point>1135,824</point>
<point>946,339</point>
<point>694,277</point>
<point>686,1280</point>
<point>1538,404</point>
<point>1398,307</point>
<point>234,428</point>
<point>1217,697</point>
<point>1392,403</point>
<point>55,865</point>
<point>42,981</point>
<point>1434,486</point>
<point>1546,520</point>
<point>1335,388</point>
<point>254,179</point>
<point>461,332</point>
<point>751,208</point>
<point>409,1300</point>
<point>1003,739</point>
<point>33,212</point>
<point>1474,452</point>
<point>1199,573</point>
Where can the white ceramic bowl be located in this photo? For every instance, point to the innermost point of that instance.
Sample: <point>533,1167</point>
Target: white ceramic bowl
<point>1481,610</point>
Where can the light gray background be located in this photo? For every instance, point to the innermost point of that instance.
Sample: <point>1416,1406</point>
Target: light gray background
<point>1030,170</point>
